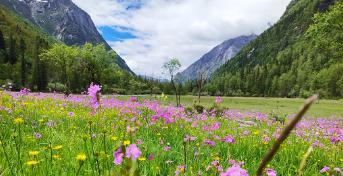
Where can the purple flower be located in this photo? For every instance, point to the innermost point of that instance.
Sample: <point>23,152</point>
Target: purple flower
<point>93,91</point>
<point>151,157</point>
<point>118,157</point>
<point>209,142</point>
<point>133,152</point>
<point>71,114</point>
<point>189,138</point>
<point>219,100</point>
<point>215,126</point>
<point>139,142</point>
<point>166,148</point>
<point>266,139</point>
<point>38,135</point>
<point>50,123</point>
<point>270,172</point>
<point>25,91</point>
<point>336,139</point>
<point>235,171</point>
<point>325,169</point>
<point>229,139</point>
<point>133,99</point>
<point>338,170</point>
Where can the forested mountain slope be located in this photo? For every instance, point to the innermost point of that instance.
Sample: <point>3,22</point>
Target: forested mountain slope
<point>63,20</point>
<point>300,55</point>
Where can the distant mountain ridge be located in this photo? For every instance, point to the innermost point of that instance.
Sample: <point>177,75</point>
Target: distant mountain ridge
<point>215,58</point>
<point>62,19</point>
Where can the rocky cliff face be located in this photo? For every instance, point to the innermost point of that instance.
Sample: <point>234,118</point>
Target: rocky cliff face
<point>62,19</point>
<point>218,56</point>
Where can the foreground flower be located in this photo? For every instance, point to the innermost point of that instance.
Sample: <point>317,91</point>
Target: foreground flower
<point>93,91</point>
<point>270,172</point>
<point>133,152</point>
<point>118,157</point>
<point>235,171</point>
<point>32,163</point>
<point>81,157</point>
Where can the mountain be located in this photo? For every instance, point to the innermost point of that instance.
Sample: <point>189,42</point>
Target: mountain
<point>62,19</point>
<point>298,56</point>
<point>218,56</point>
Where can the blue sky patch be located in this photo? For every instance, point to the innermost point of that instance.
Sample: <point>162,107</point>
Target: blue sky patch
<point>115,33</point>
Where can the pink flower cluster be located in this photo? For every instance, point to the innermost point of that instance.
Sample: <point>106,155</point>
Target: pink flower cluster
<point>25,91</point>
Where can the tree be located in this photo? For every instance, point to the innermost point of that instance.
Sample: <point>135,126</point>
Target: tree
<point>23,70</point>
<point>40,75</point>
<point>171,67</point>
<point>3,55</point>
<point>12,51</point>
<point>2,41</point>
<point>201,77</point>
<point>61,56</point>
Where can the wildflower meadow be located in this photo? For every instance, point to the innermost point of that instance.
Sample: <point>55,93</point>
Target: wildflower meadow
<point>90,134</point>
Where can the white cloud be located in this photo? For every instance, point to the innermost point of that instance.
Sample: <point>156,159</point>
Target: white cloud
<point>185,29</point>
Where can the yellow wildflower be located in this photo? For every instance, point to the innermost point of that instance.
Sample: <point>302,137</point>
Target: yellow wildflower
<point>141,158</point>
<point>114,138</point>
<point>256,132</point>
<point>58,147</point>
<point>56,156</point>
<point>217,158</point>
<point>81,157</point>
<point>18,120</point>
<point>32,162</point>
<point>127,142</point>
<point>33,153</point>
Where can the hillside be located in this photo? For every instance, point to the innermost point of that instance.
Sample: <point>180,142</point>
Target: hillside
<point>298,56</point>
<point>215,58</point>
<point>20,43</point>
<point>62,19</point>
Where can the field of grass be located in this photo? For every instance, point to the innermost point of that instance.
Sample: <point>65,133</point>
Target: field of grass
<point>49,134</point>
<point>322,108</point>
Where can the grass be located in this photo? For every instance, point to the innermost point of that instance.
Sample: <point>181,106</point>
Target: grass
<point>76,140</point>
<point>322,108</point>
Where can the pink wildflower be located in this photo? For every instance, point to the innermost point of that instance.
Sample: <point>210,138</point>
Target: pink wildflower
<point>270,172</point>
<point>235,171</point>
<point>118,157</point>
<point>93,91</point>
<point>229,139</point>
<point>325,169</point>
<point>133,152</point>
<point>219,100</point>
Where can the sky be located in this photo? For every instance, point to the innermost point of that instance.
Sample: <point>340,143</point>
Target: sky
<point>147,33</point>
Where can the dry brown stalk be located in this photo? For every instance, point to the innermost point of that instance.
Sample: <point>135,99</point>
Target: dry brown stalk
<point>285,133</point>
